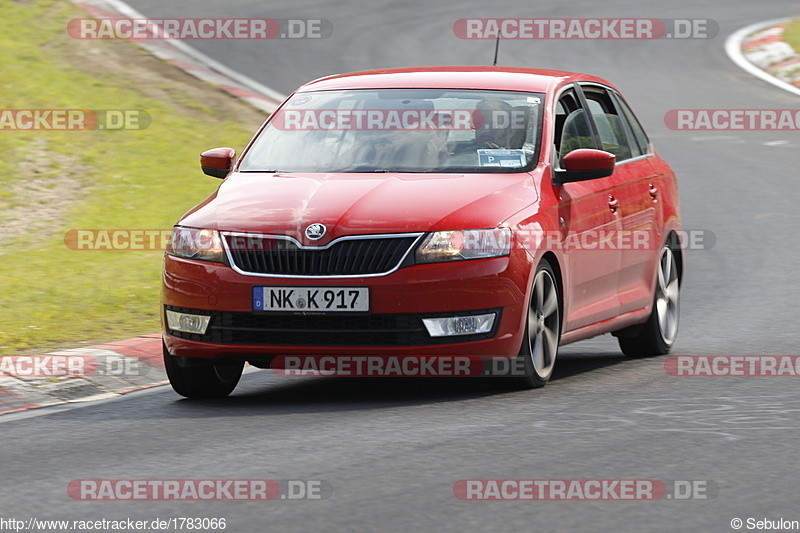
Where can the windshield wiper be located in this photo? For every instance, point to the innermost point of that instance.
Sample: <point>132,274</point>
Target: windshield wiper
<point>358,168</point>
<point>361,170</point>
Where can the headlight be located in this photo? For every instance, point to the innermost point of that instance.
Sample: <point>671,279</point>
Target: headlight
<point>194,243</point>
<point>464,244</point>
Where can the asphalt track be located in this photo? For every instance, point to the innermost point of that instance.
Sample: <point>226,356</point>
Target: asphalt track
<point>392,450</point>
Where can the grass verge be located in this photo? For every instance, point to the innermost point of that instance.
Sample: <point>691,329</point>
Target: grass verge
<point>54,181</point>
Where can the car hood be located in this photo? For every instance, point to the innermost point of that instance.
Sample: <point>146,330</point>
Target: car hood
<point>357,204</point>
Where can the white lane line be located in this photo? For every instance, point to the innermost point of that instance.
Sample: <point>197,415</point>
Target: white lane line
<point>733,47</point>
<point>728,139</point>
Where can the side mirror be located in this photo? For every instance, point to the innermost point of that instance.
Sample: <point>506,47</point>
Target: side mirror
<point>217,162</point>
<point>586,164</point>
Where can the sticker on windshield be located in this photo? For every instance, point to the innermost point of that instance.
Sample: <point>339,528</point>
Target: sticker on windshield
<point>534,100</point>
<point>300,99</point>
<point>497,157</point>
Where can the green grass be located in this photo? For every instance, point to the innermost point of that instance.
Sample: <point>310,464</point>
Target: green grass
<point>791,34</point>
<point>51,296</point>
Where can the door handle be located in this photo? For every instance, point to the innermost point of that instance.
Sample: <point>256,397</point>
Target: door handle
<point>653,192</point>
<point>613,203</point>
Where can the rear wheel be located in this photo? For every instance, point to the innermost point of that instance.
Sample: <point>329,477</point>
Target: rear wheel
<point>207,381</point>
<point>537,356</point>
<point>656,336</point>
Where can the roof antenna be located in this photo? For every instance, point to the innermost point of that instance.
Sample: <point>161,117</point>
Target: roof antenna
<point>496,49</point>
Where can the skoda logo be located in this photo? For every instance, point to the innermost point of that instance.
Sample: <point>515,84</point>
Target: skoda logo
<point>316,231</point>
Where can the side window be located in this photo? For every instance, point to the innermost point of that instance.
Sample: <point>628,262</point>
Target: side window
<point>639,135</point>
<point>609,124</point>
<point>572,129</point>
<point>562,110</point>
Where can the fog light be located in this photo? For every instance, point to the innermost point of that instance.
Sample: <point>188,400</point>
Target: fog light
<point>187,323</point>
<point>459,325</point>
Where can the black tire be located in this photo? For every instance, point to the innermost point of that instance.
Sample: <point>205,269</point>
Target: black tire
<point>658,334</point>
<point>211,381</point>
<point>537,355</point>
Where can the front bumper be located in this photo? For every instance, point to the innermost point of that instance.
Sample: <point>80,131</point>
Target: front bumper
<point>394,326</point>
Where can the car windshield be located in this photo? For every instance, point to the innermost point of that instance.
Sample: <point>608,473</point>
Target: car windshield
<point>400,130</point>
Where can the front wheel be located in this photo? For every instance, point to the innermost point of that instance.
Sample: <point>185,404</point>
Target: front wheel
<point>537,356</point>
<point>657,335</point>
<point>211,381</point>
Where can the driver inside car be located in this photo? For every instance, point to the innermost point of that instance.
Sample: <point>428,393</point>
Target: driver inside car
<point>497,124</point>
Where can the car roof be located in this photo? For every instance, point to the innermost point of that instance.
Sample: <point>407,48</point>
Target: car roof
<point>452,77</point>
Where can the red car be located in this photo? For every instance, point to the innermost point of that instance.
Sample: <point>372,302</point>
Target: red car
<point>489,212</point>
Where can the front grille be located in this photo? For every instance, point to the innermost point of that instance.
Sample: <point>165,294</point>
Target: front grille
<point>267,254</point>
<point>324,330</point>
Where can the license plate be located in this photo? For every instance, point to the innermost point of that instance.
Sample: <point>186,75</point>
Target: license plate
<point>311,299</point>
